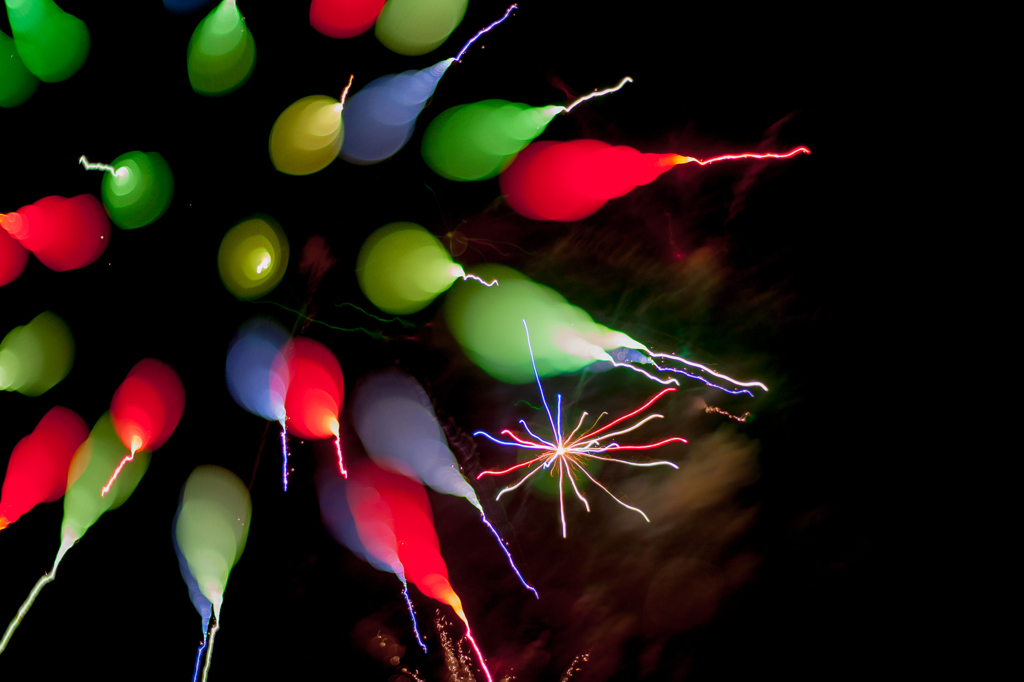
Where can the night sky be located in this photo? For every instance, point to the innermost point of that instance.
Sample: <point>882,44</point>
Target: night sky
<point>761,557</point>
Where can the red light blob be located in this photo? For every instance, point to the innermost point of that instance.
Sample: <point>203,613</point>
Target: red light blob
<point>148,405</point>
<point>568,181</point>
<point>316,389</point>
<point>38,468</point>
<point>344,18</point>
<point>65,234</point>
<point>13,256</point>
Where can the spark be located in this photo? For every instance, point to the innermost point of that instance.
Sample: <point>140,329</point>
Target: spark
<point>480,656</point>
<point>511,562</point>
<point>412,615</point>
<point>284,453</point>
<point>209,651</point>
<point>119,172</point>
<point>468,277</point>
<point>199,657</point>
<point>708,409</point>
<point>484,30</point>
<point>567,454</point>
<point>47,578</point>
<point>341,462</point>
<point>746,155</point>
<point>576,665</point>
<point>344,93</point>
<point>597,93</point>
<point>136,444</point>
<point>264,264</point>
<point>707,369</point>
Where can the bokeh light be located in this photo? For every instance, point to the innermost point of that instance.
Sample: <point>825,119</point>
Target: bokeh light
<point>17,83</point>
<point>89,471</point>
<point>211,528</point>
<point>139,190</point>
<point>316,389</point>
<point>257,370</point>
<point>148,405</point>
<point>38,468</point>
<point>414,27</point>
<point>402,268</point>
<point>343,18</point>
<point>13,257</point>
<point>380,118</point>
<point>477,141</point>
<point>253,257</point>
<point>568,181</point>
<point>52,43</point>
<point>35,357</point>
<point>488,324</point>
<point>221,52</point>
<point>307,136</point>
<point>64,234</point>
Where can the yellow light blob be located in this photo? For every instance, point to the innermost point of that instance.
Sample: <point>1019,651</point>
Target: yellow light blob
<point>253,257</point>
<point>307,135</point>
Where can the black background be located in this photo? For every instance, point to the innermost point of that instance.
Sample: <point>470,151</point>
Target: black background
<point>766,558</point>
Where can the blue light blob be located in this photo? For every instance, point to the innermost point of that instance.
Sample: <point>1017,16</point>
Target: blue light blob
<point>255,370</point>
<point>185,6</point>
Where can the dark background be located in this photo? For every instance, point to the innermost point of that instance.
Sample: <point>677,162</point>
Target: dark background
<point>763,556</point>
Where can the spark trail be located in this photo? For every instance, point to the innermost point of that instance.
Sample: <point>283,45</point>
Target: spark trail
<point>136,444</point>
<point>284,454</point>
<point>484,30</point>
<point>209,651</point>
<point>40,584</point>
<point>710,408</point>
<point>120,172</point>
<point>747,155</point>
<point>569,453</point>
<point>597,93</point>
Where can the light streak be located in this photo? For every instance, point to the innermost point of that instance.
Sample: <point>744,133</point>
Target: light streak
<point>707,369</point>
<point>412,615</point>
<point>458,665</point>
<point>40,584</point>
<point>120,172</point>
<point>511,562</point>
<point>484,30</point>
<point>480,656</point>
<point>746,155</point>
<point>467,277</point>
<point>344,93</point>
<point>284,453</point>
<point>209,651</point>
<point>199,657</point>
<point>597,93</point>
<point>704,381</point>
<point>136,444</point>
<point>341,461</point>
<point>568,453</point>
<point>708,409</point>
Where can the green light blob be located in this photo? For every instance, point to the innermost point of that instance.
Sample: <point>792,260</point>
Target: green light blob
<point>139,190</point>
<point>414,27</point>
<point>212,527</point>
<point>221,52</point>
<point>487,323</point>
<point>253,257</point>
<point>52,43</point>
<point>17,83</point>
<point>35,357</point>
<point>307,136</point>
<point>402,268</point>
<point>478,141</point>
<point>90,470</point>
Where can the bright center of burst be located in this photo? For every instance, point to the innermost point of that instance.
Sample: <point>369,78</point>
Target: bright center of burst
<point>264,263</point>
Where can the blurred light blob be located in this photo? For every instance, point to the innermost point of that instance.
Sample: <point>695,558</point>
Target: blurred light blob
<point>253,257</point>
<point>488,324</point>
<point>52,44</point>
<point>148,405</point>
<point>203,605</point>
<point>17,83</point>
<point>568,181</point>
<point>139,190</point>
<point>211,528</point>
<point>185,6</point>
<point>221,52</point>
<point>478,141</point>
<point>90,468</point>
<point>343,18</point>
<point>38,468</point>
<point>380,118</point>
<point>257,369</point>
<point>35,357</point>
<point>64,234</point>
<point>396,422</point>
<point>307,136</point>
<point>316,389</point>
<point>415,27</point>
<point>13,256</point>
<point>402,268</point>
